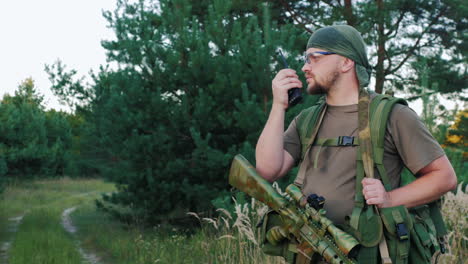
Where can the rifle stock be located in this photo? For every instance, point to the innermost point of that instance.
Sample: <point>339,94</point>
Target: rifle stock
<point>244,177</point>
<point>308,226</point>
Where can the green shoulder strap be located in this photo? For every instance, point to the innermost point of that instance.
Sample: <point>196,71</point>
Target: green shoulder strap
<point>308,124</point>
<point>380,109</point>
<point>369,227</point>
<point>373,131</point>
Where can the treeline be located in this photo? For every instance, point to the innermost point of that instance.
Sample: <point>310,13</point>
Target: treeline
<point>192,88</point>
<point>33,142</point>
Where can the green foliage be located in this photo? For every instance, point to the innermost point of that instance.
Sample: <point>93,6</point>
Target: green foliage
<point>456,147</point>
<point>33,141</point>
<point>49,244</point>
<point>192,87</point>
<point>398,34</point>
<point>460,164</point>
<point>438,119</point>
<point>31,228</point>
<point>3,166</point>
<point>192,90</point>
<point>227,238</point>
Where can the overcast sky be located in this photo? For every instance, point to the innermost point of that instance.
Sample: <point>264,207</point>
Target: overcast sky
<point>38,32</point>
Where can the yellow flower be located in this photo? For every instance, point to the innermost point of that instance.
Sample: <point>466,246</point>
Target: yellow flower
<point>454,139</point>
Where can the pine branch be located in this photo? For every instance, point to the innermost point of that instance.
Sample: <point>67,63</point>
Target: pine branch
<point>296,15</point>
<point>415,97</point>
<point>415,46</point>
<point>389,58</point>
<point>329,3</point>
<point>396,27</point>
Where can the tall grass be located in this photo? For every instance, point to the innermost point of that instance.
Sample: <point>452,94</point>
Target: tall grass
<point>231,237</point>
<point>39,237</point>
<point>224,239</point>
<point>227,238</point>
<point>128,244</point>
<point>455,212</point>
<point>21,196</point>
<point>235,238</point>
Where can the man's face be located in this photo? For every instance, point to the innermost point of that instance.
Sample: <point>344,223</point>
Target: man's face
<point>321,71</point>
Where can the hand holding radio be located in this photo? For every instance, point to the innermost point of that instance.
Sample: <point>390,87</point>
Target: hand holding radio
<point>288,80</point>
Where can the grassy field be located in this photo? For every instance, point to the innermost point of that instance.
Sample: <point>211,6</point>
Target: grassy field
<point>39,237</point>
<point>31,215</point>
<point>217,241</point>
<point>36,235</point>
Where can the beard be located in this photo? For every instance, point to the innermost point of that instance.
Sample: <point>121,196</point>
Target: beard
<point>323,87</point>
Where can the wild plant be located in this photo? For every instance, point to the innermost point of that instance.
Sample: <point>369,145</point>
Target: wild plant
<point>455,212</point>
<point>234,237</point>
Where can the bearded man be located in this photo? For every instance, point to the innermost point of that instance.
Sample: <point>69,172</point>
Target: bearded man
<point>336,65</point>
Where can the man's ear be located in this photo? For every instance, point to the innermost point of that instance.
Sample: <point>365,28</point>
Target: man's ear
<point>347,65</point>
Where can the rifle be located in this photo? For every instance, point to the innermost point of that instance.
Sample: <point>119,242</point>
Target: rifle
<point>308,225</point>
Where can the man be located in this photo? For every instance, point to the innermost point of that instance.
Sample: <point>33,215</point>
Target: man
<point>336,65</point>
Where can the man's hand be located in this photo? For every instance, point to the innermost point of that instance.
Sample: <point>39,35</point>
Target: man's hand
<point>374,193</point>
<point>283,81</point>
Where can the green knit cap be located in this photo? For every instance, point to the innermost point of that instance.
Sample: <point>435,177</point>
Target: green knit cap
<point>345,41</point>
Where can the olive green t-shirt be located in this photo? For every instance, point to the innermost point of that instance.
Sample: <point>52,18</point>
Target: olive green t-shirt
<point>408,143</point>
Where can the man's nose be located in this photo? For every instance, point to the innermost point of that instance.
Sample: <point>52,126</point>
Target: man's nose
<point>306,67</point>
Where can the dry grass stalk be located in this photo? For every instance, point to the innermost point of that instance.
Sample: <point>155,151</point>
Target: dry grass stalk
<point>234,238</point>
<point>455,212</point>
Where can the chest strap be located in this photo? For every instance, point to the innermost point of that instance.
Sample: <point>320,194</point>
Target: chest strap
<point>341,141</point>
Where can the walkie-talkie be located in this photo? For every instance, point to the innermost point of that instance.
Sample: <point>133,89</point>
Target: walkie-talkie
<point>294,94</point>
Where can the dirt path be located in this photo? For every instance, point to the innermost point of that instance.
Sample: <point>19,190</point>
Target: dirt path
<point>67,223</point>
<point>5,246</point>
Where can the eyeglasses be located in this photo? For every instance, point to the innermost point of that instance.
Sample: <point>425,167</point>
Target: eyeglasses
<point>312,57</point>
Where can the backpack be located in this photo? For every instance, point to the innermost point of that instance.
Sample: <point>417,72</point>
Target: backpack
<point>388,235</point>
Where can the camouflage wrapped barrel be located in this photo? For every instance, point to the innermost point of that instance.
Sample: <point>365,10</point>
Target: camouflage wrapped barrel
<point>313,231</point>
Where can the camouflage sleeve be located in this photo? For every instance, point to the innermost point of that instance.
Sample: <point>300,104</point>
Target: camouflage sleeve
<point>292,142</point>
<point>411,139</point>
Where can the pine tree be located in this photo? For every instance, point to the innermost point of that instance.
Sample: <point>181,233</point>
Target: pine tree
<point>192,89</point>
<point>32,141</point>
<point>399,34</point>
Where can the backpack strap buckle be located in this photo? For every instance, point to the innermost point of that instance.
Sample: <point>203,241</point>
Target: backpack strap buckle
<point>345,141</point>
<point>442,244</point>
<point>402,231</point>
